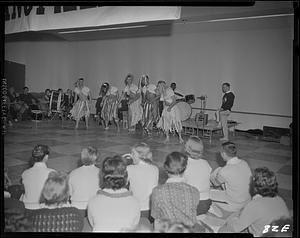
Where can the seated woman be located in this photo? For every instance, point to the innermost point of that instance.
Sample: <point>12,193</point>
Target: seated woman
<point>56,214</point>
<point>114,208</point>
<point>84,181</point>
<point>176,200</point>
<point>142,176</point>
<point>264,207</point>
<point>34,178</point>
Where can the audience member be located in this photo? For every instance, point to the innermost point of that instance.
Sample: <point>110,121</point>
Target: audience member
<point>234,178</point>
<point>55,213</point>
<point>44,102</point>
<point>34,178</point>
<point>264,207</point>
<point>198,172</point>
<point>84,181</point>
<point>175,200</point>
<point>15,110</point>
<point>12,190</point>
<point>29,102</point>
<point>114,208</point>
<point>15,217</point>
<point>142,176</point>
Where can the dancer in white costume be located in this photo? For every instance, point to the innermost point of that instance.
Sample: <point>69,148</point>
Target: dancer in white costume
<point>82,102</point>
<point>135,110</point>
<point>170,118</point>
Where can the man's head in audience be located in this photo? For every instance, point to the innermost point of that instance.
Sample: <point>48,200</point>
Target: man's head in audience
<point>25,90</point>
<point>56,189</point>
<point>11,90</point>
<point>89,155</point>
<point>175,164</point>
<point>228,151</point>
<point>194,147</point>
<point>114,173</point>
<point>40,153</point>
<point>47,92</point>
<point>264,183</point>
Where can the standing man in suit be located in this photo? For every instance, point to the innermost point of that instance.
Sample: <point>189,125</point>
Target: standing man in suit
<point>224,111</point>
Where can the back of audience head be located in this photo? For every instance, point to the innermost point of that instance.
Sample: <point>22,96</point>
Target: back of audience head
<point>167,226</point>
<point>194,147</point>
<point>114,173</point>
<point>175,163</point>
<point>16,221</point>
<point>264,183</point>
<point>284,227</point>
<point>89,155</point>
<point>141,151</point>
<point>229,150</point>
<point>40,153</point>
<point>56,189</point>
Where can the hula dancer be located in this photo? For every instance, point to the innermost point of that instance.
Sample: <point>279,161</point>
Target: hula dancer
<point>135,111</point>
<point>150,109</point>
<point>103,91</point>
<point>170,119</point>
<point>110,104</point>
<point>81,106</point>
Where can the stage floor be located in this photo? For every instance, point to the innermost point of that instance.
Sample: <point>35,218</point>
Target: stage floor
<point>66,144</point>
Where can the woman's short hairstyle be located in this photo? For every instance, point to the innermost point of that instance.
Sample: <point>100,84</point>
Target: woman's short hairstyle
<point>114,173</point>
<point>175,163</point>
<point>89,155</point>
<point>264,183</point>
<point>194,147</point>
<point>39,152</point>
<point>144,152</point>
<point>56,189</point>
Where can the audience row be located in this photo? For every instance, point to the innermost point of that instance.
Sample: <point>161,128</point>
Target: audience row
<point>122,193</point>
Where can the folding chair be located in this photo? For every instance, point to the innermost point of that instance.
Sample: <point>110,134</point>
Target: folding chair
<point>55,106</point>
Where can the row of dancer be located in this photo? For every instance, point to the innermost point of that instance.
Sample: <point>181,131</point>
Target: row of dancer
<point>143,105</point>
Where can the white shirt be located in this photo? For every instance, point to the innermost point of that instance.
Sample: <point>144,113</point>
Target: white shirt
<point>260,211</point>
<point>84,184</point>
<point>113,214</point>
<point>197,174</point>
<point>33,180</point>
<point>143,178</point>
<point>236,176</point>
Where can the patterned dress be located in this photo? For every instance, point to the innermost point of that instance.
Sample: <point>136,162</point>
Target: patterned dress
<point>110,104</point>
<point>81,107</point>
<point>150,110</point>
<point>170,121</point>
<point>135,107</point>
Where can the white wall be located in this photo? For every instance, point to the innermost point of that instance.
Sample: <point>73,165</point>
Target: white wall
<point>255,56</point>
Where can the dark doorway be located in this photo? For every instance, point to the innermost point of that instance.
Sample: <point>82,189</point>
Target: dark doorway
<point>15,75</point>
